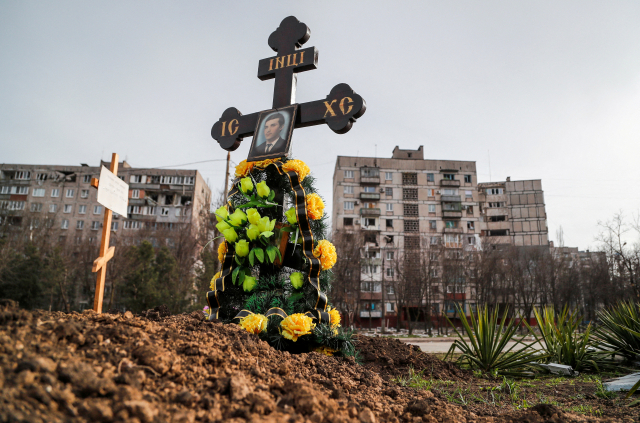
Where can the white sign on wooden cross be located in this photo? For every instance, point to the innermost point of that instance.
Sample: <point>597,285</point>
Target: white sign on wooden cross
<point>113,193</point>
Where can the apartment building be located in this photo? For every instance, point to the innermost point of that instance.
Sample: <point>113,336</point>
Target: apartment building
<point>62,198</point>
<point>406,205</point>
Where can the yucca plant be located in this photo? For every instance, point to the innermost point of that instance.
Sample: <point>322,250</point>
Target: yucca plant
<point>486,347</point>
<point>564,345</point>
<point>620,330</point>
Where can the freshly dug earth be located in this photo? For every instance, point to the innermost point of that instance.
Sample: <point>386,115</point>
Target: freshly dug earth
<point>58,367</point>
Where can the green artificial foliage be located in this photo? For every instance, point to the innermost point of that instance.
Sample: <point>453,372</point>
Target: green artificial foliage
<point>273,289</point>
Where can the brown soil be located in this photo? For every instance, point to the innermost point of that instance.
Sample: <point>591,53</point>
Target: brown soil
<point>57,367</point>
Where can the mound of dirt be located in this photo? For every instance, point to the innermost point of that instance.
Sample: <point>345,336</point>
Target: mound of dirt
<point>57,367</point>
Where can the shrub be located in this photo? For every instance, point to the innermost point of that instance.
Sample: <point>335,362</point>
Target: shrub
<point>620,330</point>
<point>486,347</point>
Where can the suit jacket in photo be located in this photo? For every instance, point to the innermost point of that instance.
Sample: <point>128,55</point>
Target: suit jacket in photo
<point>278,147</point>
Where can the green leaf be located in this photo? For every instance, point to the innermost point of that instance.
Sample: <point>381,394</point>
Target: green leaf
<point>251,254</point>
<point>234,275</point>
<point>249,204</point>
<point>238,260</point>
<point>289,229</point>
<point>242,275</point>
<point>259,254</point>
<point>271,252</point>
<point>272,195</point>
<point>266,234</point>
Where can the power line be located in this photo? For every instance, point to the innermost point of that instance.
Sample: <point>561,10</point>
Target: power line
<point>186,164</point>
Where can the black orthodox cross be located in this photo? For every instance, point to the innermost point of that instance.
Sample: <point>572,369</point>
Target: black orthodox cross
<point>339,110</point>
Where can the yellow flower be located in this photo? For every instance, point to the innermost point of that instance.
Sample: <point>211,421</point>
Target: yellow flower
<point>222,226</point>
<point>297,280</point>
<point>315,206</point>
<point>264,163</point>
<point>249,283</point>
<point>326,350</point>
<point>253,216</point>
<point>244,168</point>
<point>212,285</point>
<point>291,215</point>
<point>230,235</point>
<point>221,213</point>
<point>254,323</point>
<point>335,317</point>
<point>242,248</point>
<point>238,217</point>
<point>266,225</point>
<point>263,189</point>
<point>298,166</point>
<point>326,252</point>
<point>246,185</point>
<point>296,325</point>
<point>253,232</point>
<point>222,250</point>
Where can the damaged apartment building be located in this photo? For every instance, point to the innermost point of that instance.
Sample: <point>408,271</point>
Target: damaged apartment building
<point>161,201</point>
<point>407,204</point>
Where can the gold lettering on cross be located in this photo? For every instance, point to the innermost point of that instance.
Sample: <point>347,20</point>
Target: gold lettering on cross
<point>271,64</point>
<point>224,125</point>
<point>329,109</point>
<point>279,62</point>
<point>233,129</point>
<point>348,103</point>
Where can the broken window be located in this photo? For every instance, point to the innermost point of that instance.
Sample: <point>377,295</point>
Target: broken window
<point>497,218</point>
<point>449,176</point>
<point>168,199</point>
<point>390,223</point>
<point>185,200</point>
<point>348,221</point>
<point>467,179</point>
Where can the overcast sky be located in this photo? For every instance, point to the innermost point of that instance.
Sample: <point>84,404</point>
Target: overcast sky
<point>530,90</point>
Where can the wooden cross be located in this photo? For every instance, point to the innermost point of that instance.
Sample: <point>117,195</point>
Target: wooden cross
<point>339,110</point>
<point>106,252</point>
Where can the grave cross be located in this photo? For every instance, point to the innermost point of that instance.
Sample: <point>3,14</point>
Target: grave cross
<point>339,110</point>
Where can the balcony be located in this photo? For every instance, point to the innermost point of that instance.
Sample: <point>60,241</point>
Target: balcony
<point>370,212</point>
<point>453,230</point>
<point>449,183</point>
<point>450,198</point>
<point>373,314</point>
<point>370,179</point>
<point>369,196</point>
<point>451,214</point>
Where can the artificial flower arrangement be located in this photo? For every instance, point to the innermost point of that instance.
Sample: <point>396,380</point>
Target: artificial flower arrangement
<point>267,287</point>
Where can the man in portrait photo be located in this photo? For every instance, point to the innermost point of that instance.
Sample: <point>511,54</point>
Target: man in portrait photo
<point>274,143</point>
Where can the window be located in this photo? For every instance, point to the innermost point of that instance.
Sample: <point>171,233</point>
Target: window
<point>468,194</point>
<point>36,207</point>
<point>412,242</point>
<point>435,240</point>
<point>390,255</point>
<point>65,224</point>
<point>472,241</point>
<point>68,208</point>
<point>411,226</point>
<point>114,226</point>
<point>135,210</point>
<point>390,307</point>
<point>389,272</point>
<point>348,174</point>
<point>164,211</point>
<point>70,193</point>
<point>495,191</point>
<point>410,193</point>
<point>470,225</point>
<point>433,224</point>
<point>467,179</point>
<point>370,287</point>
<point>80,224</point>
<point>189,180</point>
<point>16,190</point>
<point>152,211</point>
<point>431,192</point>
<point>430,177</point>
<point>86,179</point>
<point>452,241</point>
<point>497,232</point>
<point>390,223</point>
<point>41,177</point>
<point>390,289</point>
<point>55,192</point>
<point>449,191</point>
<point>38,192</point>
<point>388,191</point>
<point>24,175</point>
<point>369,189</point>
<point>369,172</point>
<point>97,209</point>
<point>434,272</point>
<point>136,179</point>
<point>389,207</point>
<point>82,209</point>
<point>95,225</point>
<point>369,222</point>
<point>348,189</point>
<point>348,221</point>
<point>53,208</point>
<point>497,218</point>
<point>348,205</point>
<point>495,204</point>
<point>449,224</point>
<point>131,225</point>
<point>178,211</point>
<point>451,206</point>
<point>388,176</point>
<point>449,176</point>
<point>5,190</point>
<point>12,205</point>
<point>135,193</point>
<point>410,209</point>
<point>409,179</point>
<point>432,208</point>
<point>84,193</point>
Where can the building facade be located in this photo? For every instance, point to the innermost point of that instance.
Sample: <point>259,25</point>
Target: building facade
<point>61,197</point>
<point>418,215</point>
